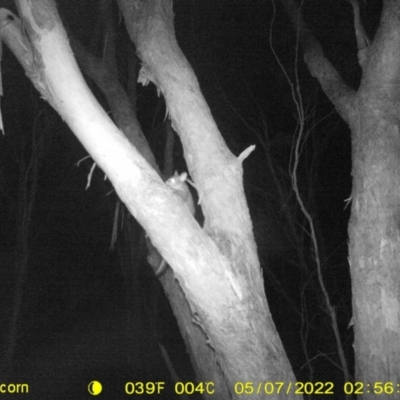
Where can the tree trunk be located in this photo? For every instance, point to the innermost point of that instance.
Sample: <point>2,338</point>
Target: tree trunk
<point>216,266</point>
<point>375,240</point>
<point>374,229</point>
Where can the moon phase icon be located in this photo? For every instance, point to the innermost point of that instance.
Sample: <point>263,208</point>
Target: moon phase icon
<point>95,388</point>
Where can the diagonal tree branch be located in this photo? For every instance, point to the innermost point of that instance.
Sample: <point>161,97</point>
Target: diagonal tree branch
<point>319,66</point>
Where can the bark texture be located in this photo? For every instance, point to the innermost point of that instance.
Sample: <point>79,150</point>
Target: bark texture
<point>374,229</point>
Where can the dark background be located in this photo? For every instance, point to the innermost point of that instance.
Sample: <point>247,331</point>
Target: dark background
<point>75,307</point>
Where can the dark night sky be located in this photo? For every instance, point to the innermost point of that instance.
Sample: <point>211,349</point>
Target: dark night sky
<point>228,46</point>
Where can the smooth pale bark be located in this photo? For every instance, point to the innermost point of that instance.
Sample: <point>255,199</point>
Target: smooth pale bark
<point>217,267</point>
<point>218,177</point>
<point>106,78</point>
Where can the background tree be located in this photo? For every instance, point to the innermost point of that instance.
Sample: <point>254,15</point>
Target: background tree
<point>374,235</point>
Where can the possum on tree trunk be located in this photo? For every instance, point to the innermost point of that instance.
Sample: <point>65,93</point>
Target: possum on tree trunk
<point>179,186</point>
